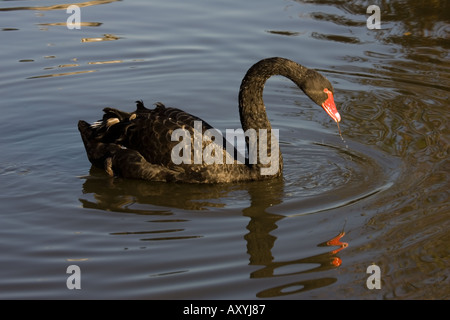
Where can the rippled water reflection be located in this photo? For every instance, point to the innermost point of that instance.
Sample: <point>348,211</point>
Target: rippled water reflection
<point>380,196</point>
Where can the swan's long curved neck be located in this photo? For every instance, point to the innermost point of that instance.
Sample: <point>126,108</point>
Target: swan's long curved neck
<point>253,112</point>
<point>251,105</point>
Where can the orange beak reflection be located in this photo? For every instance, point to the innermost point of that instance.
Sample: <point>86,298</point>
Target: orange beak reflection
<point>336,241</point>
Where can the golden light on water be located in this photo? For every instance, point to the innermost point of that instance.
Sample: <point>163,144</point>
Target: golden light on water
<point>61,74</point>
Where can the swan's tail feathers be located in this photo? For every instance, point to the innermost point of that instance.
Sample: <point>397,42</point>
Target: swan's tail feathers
<point>113,126</point>
<point>96,150</point>
<point>111,117</point>
<point>111,113</point>
<point>118,160</point>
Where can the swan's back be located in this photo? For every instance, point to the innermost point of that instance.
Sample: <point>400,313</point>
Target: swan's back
<point>145,135</point>
<point>148,131</point>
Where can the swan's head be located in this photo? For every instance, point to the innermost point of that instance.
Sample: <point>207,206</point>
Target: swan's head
<point>320,90</point>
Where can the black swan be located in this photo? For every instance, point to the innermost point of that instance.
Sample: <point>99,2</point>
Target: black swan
<point>142,144</point>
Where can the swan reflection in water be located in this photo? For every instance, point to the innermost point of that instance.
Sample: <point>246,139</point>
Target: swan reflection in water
<point>105,193</point>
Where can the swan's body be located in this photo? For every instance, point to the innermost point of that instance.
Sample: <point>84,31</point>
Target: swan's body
<point>140,144</point>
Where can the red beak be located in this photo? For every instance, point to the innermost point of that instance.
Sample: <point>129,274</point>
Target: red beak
<point>330,107</point>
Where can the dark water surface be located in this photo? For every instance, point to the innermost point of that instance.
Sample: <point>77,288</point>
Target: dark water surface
<point>386,186</point>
